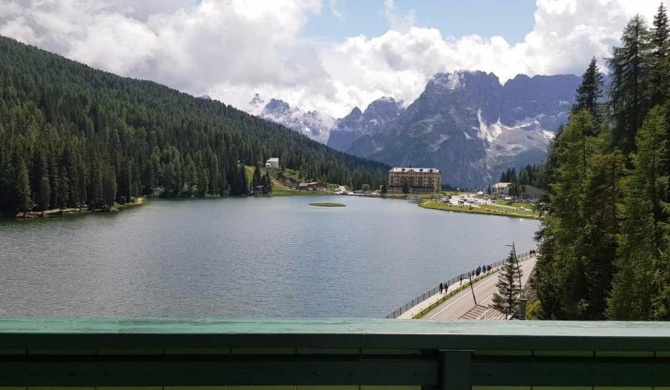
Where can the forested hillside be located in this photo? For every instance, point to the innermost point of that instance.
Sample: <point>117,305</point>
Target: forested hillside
<point>73,136</point>
<point>604,245</point>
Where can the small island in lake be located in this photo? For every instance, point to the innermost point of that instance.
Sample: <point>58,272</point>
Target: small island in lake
<point>328,204</point>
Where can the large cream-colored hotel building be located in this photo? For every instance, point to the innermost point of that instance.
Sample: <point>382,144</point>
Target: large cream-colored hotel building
<point>420,180</point>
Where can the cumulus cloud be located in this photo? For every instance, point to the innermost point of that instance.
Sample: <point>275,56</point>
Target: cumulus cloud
<point>231,49</point>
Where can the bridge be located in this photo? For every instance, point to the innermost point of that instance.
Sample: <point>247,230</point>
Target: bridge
<point>311,352</point>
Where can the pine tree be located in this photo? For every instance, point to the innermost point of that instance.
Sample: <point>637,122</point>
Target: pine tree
<point>629,90</point>
<point>24,202</point>
<point>256,179</point>
<point>506,299</point>
<point>590,91</point>
<point>660,58</point>
<point>603,192</point>
<point>108,188</point>
<point>44,200</point>
<point>561,268</point>
<point>63,190</point>
<point>637,284</point>
<point>268,183</point>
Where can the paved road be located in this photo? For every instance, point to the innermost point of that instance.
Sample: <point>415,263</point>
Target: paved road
<point>461,303</point>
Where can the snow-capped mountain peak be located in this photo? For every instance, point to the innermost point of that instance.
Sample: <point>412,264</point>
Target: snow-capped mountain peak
<point>312,123</point>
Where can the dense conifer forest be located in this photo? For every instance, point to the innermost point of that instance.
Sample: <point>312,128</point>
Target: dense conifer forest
<point>73,136</point>
<point>604,244</point>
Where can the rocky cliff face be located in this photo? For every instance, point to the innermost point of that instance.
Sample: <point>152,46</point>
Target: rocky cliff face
<point>357,124</point>
<point>311,123</point>
<point>546,99</point>
<point>471,127</point>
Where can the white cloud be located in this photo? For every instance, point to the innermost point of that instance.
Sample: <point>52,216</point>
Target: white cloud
<point>335,9</point>
<point>231,49</point>
<point>395,21</point>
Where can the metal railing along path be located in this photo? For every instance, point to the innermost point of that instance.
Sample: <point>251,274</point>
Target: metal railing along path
<point>407,306</point>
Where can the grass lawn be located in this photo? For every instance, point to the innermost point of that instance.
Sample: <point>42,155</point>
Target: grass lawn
<point>487,210</point>
<point>513,204</point>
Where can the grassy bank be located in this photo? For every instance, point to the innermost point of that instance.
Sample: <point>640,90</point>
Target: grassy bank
<point>486,209</point>
<point>328,204</point>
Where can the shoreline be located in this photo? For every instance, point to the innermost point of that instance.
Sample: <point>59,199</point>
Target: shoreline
<point>434,205</point>
<point>32,215</point>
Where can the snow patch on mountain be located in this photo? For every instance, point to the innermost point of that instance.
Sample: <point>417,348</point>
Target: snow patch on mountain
<point>451,81</point>
<point>311,123</point>
<point>486,132</point>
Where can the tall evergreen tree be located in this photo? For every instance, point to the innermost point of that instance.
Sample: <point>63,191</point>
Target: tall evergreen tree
<point>44,200</point>
<point>629,89</point>
<point>660,58</point>
<point>590,91</point>
<point>637,283</point>
<point>108,188</point>
<point>24,202</point>
<point>603,192</point>
<point>506,299</point>
<point>256,179</point>
<point>561,269</point>
<point>63,190</point>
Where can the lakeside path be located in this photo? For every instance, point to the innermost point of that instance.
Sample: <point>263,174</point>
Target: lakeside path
<point>459,304</point>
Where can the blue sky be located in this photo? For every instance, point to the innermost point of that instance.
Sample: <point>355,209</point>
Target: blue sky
<point>323,55</point>
<point>511,19</point>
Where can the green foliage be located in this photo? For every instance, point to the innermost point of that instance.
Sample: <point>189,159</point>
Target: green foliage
<point>660,58</point>
<point>603,245</point>
<point>533,175</point>
<point>88,138</point>
<point>24,202</point>
<point>590,91</point>
<point>643,229</point>
<point>629,90</point>
<point>506,299</point>
<point>44,195</point>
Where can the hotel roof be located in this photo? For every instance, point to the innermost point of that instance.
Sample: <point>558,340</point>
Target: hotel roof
<point>421,170</point>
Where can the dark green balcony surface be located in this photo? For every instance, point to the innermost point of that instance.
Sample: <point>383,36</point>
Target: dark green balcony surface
<point>334,333</point>
<point>334,326</point>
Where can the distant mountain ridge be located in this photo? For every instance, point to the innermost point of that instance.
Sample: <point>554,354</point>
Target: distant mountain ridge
<point>466,123</point>
<point>313,124</point>
<point>357,124</point>
<point>471,126</point>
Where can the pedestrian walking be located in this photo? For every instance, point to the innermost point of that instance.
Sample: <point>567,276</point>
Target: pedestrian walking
<point>460,278</point>
<point>441,287</point>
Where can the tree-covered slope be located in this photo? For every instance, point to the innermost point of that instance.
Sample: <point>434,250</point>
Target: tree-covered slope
<point>604,245</point>
<point>75,136</point>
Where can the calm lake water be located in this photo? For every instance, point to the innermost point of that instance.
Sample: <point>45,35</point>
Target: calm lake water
<point>253,257</point>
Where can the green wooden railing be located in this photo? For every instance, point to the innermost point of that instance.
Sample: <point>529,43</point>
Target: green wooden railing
<point>295,353</point>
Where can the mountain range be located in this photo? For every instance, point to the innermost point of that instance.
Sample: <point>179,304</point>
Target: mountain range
<point>468,124</point>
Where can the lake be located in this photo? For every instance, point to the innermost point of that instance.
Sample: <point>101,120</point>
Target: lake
<point>244,257</point>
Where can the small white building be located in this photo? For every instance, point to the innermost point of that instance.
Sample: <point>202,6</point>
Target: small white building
<point>501,189</point>
<point>272,162</point>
